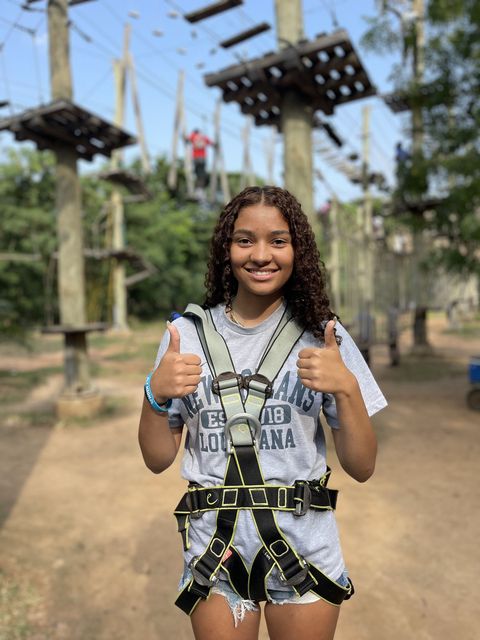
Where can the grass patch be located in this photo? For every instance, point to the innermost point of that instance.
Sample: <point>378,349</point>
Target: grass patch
<point>14,385</point>
<point>111,408</point>
<point>423,369</point>
<point>17,603</point>
<point>468,330</point>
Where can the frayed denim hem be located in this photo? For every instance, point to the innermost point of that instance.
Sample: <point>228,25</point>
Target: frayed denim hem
<point>239,607</point>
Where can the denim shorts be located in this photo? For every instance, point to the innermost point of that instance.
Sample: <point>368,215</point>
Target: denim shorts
<point>239,606</point>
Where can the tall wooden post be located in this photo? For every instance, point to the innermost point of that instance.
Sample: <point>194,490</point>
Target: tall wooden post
<point>334,263</point>
<point>366,249</point>
<point>420,288</point>
<point>296,116</point>
<point>71,276</point>
<point>120,309</point>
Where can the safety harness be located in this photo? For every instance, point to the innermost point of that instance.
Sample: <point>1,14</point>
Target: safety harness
<point>244,486</point>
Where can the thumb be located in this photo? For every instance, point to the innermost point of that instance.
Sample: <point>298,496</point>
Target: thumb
<point>330,340</point>
<point>174,344</point>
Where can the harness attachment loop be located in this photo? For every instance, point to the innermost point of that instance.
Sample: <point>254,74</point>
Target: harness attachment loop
<point>239,431</point>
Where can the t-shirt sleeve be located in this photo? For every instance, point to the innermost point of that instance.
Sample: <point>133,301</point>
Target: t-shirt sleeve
<point>372,396</point>
<point>175,419</point>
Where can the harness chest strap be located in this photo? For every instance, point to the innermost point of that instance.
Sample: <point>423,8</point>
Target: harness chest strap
<point>244,478</point>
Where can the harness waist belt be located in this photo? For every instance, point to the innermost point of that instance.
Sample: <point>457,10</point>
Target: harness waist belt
<point>297,498</point>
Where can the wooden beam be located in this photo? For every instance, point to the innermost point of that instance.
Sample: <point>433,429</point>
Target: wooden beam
<point>211,10</point>
<point>245,35</point>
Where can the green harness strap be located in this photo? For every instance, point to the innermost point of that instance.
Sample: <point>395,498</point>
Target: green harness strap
<point>242,432</point>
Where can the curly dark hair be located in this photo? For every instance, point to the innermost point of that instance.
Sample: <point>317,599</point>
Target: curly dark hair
<point>305,291</point>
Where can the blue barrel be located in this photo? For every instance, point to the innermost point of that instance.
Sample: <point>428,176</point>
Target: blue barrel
<point>474,370</point>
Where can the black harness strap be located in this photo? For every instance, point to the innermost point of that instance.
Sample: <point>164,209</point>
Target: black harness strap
<point>297,498</point>
<point>244,485</point>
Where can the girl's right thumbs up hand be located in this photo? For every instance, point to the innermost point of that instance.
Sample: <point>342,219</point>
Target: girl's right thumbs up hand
<point>178,374</point>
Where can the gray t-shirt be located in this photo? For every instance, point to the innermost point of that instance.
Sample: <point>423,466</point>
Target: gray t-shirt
<point>292,443</point>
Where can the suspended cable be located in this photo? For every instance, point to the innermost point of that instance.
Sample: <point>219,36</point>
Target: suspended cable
<point>37,69</point>
<point>97,84</point>
<point>7,84</point>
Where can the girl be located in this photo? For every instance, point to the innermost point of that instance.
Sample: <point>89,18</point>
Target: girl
<point>263,264</point>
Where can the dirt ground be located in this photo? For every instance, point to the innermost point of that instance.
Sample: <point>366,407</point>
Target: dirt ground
<point>88,544</point>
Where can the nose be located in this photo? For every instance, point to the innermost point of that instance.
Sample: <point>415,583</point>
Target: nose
<point>261,253</point>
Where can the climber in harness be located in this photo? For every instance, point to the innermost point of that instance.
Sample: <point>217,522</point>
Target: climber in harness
<point>249,374</point>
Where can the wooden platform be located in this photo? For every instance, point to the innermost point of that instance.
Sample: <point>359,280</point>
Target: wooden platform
<point>326,72</point>
<point>61,123</point>
<point>72,330</point>
<point>397,102</point>
<point>133,183</point>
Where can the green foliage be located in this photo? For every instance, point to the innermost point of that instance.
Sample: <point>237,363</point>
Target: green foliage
<point>448,169</point>
<point>169,232</point>
<point>28,227</point>
<point>175,239</point>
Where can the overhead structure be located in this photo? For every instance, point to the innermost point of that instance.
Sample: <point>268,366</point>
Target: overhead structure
<point>211,10</point>
<point>122,178</point>
<point>71,132</point>
<point>245,35</point>
<point>326,72</point>
<point>71,3</point>
<point>397,102</point>
<point>63,122</point>
<point>318,123</point>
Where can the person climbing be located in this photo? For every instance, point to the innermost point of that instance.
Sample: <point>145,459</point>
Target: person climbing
<point>200,142</point>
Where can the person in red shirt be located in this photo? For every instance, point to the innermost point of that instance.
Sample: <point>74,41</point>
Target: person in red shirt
<point>199,143</point>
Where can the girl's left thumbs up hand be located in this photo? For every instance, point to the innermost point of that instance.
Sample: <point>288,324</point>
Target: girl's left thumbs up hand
<point>322,369</point>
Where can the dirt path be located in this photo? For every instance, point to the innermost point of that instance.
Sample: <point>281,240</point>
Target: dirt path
<point>89,548</point>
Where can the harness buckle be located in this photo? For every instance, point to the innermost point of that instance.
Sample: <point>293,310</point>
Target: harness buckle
<point>302,496</point>
<point>266,386</point>
<point>192,503</point>
<point>234,380</point>
<point>198,576</point>
<point>298,577</point>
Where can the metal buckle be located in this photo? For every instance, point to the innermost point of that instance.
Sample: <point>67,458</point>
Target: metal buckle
<point>191,500</point>
<point>236,381</point>
<point>302,496</point>
<point>246,418</point>
<point>199,577</point>
<point>299,577</point>
<point>258,377</point>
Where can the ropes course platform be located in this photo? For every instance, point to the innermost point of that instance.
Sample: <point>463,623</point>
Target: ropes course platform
<point>133,183</point>
<point>64,123</point>
<point>326,72</point>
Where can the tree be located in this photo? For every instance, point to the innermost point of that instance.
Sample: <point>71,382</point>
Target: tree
<point>444,178</point>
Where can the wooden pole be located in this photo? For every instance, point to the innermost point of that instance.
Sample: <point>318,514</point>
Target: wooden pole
<point>247,173</point>
<point>71,275</point>
<point>177,130</point>
<point>420,281</point>
<point>138,115</point>
<point>367,248</point>
<point>296,117</point>
<point>215,162</point>
<point>270,154</point>
<point>120,300</point>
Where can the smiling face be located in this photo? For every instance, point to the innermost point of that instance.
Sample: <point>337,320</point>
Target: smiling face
<point>261,252</point>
